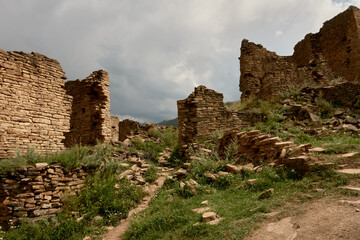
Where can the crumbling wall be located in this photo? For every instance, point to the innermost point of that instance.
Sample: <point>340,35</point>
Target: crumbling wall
<point>200,114</point>
<point>34,107</point>
<point>338,42</point>
<point>344,94</point>
<point>33,191</point>
<point>114,122</point>
<point>128,127</point>
<point>332,53</point>
<point>90,112</point>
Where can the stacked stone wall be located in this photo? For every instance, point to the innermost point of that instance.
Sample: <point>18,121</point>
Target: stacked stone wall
<point>34,107</point>
<point>318,59</point>
<point>200,114</point>
<point>128,128</point>
<point>345,94</point>
<point>33,191</point>
<point>38,110</point>
<point>114,122</point>
<point>90,113</point>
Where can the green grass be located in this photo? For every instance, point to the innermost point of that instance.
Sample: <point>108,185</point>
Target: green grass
<point>161,139</point>
<point>90,156</point>
<point>151,174</point>
<point>105,196</point>
<point>170,215</point>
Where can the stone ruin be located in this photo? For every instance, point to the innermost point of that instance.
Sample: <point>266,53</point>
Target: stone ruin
<point>114,123</point>
<point>200,114</point>
<point>332,53</point>
<point>37,191</point>
<point>90,112</point>
<point>318,60</point>
<point>258,149</point>
<point>40,110</point>
<point>128,127</point>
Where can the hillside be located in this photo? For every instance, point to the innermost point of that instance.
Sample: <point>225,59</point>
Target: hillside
<point>169,123</point>
<point>299,164</point>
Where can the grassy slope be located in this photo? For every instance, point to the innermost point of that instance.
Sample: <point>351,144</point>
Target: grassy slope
<point>100,203</point>
<point>170,215</point>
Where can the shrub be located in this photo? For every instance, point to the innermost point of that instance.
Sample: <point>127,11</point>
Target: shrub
<point>325,108</point>
<point>150,174</point>
<point>106,196</point>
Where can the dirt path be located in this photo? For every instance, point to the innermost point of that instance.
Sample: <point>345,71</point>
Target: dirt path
<point>117,232</point>
<point>324,219</point>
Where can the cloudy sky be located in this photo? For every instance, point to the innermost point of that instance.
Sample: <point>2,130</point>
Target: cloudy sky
<point>157,51</point>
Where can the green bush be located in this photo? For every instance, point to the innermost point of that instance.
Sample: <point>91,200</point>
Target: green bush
<point>325,108</point>
<point>150,174</point>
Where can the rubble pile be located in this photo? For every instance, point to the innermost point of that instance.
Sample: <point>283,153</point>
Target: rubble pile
<point>258,148</point>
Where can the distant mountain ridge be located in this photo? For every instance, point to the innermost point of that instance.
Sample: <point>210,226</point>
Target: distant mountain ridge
<point>169,123</point>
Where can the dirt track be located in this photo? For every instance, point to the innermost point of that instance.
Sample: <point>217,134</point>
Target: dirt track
<point>322,220</point>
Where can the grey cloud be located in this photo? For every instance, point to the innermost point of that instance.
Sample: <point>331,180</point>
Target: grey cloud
<point>157,51</point>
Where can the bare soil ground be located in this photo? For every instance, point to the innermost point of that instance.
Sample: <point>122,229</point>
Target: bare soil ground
<point>324,219</point>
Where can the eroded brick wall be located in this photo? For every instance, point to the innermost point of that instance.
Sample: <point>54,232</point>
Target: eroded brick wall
<point>200,114</point>
<point>34,107</point>
<point>90,112</point>
<point>319,58</point>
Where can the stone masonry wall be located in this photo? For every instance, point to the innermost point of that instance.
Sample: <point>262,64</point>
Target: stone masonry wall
<point>114,128</point>
<point>345,94</point>
<point>34,107</point>
<point>200,114</point>
<point>33,191</point>
<point>317,60</point>
<point>127,128</point>
<point>90,113</point>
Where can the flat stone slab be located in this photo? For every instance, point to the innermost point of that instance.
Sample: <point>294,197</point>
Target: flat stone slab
<point>351,154</point>
<point>214,222</point>
<point>351,188</point>
<point>349,171</point>
<point>208,216</point>
<point>317,149</point>
<point>201,210</point>
<point>351,202</point>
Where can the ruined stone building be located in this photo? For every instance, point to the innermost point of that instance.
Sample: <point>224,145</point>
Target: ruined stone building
<point>39,109</point>
<point>200,114</point>
<point>90,111</point>
<point>333,52</point>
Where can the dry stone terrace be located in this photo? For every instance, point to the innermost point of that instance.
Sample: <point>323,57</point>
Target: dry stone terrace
<point>33,191</point>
